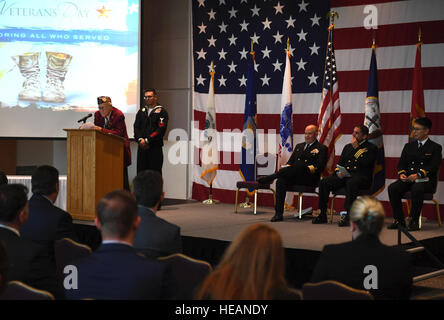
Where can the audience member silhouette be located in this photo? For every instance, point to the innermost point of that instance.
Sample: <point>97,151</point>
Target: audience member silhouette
<point>3,178</point>
<point>365,263</point>
<point>47,222</point>
<point>252,268</point>
<point>115,270</point>
<point>28,261</point>
<point>155,236</point>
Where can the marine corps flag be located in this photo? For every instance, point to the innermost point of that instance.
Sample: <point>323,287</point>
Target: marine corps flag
<point>418,106</point>
<point>372,121</point>
<point>248,163</point>
<point>210,154</point>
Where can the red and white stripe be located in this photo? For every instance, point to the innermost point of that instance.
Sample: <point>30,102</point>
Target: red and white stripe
<point>396,39</point>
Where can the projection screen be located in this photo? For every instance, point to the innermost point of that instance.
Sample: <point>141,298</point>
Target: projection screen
<point>57,57</point>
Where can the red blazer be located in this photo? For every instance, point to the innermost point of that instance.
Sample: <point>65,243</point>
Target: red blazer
<point>117,126</point>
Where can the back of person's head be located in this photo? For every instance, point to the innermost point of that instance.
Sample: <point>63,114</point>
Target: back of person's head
<point>425,122</point>
<point>368,214</point>
<point>45,180</point>
<point>116,212</point>
<point>3,267</point>
<point>3,178</point>
<point>13,199</point>
<point>148,188</point>
<point>253,267</point>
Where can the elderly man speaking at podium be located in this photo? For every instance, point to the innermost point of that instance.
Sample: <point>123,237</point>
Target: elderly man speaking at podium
<point>111,120</point>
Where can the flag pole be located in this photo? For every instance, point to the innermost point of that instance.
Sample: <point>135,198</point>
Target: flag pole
<point>210,199</point>
<point>247,203</point>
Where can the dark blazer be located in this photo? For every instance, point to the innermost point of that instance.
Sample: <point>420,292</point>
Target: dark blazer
<point>117,127</point>
<point>117,271</point>
<point>29,262</point>
<point>47,223</point>
<point>152,127</point>
<point>309,158</point>
<point>156,237</point>
<point>345,263</point>
<point>425,161</point>
<point>359,161</point>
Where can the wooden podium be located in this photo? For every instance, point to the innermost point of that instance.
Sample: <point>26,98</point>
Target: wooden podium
<point>95,167</point>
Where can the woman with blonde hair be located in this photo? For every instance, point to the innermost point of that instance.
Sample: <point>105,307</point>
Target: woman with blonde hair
<point>365,263</point>
<point>252,268</point>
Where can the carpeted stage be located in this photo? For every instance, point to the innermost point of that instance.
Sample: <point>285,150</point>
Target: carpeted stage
<point>208,229</point>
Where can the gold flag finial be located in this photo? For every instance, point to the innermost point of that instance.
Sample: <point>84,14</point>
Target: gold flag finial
<point>419,35</point>
<point>331,15</point>
<point>212,68</point>
<point>288,43</point>
<point>252,46</point>
<point>374,40</point>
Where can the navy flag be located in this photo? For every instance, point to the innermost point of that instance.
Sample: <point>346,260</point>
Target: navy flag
<point>373,122</point>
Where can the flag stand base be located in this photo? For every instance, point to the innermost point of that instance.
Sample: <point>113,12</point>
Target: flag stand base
<point>246,204</point>
<point>210,201</point>
<point>210,197</point>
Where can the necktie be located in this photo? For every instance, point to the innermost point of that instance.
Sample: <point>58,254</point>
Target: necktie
<point>106,123</point>
<point>419,145</point>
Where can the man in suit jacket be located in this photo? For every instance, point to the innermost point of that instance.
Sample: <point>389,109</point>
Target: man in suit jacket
<point>111,120</point>
<point>304,167</point>
<point>28,261</point>
<point>418,173</point>
<point>358,158</point>
<point>47,222</point>
<point>365,263</point>
<point>149,128</point>
<point>155,237</point>
<point>115,270</point>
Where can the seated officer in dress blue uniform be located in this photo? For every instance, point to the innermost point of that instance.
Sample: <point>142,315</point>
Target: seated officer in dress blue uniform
<point>418,173</point>
<point>358,158</point>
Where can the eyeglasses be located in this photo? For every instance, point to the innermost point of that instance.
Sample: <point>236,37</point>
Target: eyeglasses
<point>147,97</point>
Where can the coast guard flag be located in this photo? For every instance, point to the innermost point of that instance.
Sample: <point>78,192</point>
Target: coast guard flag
<point>286,128</point>
<point>247,166</point>
<point>372,121</point>
<point>418,106</point>
<point>210,154</point>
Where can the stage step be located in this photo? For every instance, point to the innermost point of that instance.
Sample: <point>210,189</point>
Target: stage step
<point>428,275</point>
<point>415,250</point>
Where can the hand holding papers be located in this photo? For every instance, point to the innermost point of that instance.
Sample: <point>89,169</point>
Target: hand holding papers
<point>343,171</point>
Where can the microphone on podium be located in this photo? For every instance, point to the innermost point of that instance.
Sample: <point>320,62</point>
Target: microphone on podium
<point>85,117</point>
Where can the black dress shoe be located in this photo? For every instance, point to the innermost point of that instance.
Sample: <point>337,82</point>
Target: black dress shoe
<point>395,225</point>
<point>345,221</point>
<point>277,218</point>
<point>322,218</point>
<point>413,226</point>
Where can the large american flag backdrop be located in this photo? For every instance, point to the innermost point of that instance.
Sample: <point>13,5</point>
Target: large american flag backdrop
<point>224,29</point>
